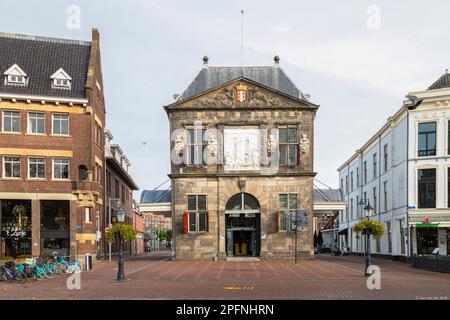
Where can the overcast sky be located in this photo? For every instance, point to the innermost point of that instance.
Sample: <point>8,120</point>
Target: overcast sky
<point>357,59</point>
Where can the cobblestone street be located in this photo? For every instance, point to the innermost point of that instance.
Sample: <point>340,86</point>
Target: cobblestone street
<point>156,277</point>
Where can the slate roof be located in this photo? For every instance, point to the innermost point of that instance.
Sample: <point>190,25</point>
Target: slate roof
<point>442,82</point>
<point>39,58</point>
<point>156,196</point>
<point>211,77</point>
<point>328,195</point>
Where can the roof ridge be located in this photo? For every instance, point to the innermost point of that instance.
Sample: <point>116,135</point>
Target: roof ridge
<point>43,39</point>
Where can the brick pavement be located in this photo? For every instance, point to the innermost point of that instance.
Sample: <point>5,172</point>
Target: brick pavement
<point>156,277</point>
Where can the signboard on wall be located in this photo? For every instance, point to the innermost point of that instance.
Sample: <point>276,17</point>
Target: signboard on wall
<point>15,234</point>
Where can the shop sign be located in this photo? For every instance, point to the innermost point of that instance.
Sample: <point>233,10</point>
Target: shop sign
<point>15,234</point>
<point>427,224</point>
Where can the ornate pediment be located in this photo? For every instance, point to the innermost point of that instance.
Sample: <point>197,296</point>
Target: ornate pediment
<point>242,94</point>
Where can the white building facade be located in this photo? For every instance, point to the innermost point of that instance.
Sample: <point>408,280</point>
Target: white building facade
<point>403,171</point>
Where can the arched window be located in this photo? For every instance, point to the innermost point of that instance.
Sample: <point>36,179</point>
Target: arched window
<point>242,201</point>
<point>82,173</point>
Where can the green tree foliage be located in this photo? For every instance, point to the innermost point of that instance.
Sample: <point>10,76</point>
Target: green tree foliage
<point>127,232</point>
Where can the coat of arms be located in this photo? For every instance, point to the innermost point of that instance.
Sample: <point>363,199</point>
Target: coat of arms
<point>241,92</point>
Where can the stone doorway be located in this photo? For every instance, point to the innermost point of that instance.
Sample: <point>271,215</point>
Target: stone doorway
<point>243,226</point>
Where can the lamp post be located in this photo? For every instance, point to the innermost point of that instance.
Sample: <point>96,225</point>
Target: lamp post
<point>118,205</point>
<point>120,272</point>
<point>368,209</point>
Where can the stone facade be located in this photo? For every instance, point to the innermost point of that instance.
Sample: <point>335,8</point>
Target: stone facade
<point>263,108</point>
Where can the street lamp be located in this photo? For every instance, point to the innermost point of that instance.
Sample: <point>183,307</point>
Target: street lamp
<point>120,219</point>
<point>368,210</point>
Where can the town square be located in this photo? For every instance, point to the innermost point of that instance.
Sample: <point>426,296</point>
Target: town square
<point>149,152</point>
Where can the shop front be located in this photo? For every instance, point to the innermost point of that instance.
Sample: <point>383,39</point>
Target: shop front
<point>15,218</point>
<point>432,238</point>
<point>55,227</point>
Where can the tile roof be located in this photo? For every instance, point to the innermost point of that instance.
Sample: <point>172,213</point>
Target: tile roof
<point>211,77</point>
<point>39,58</point>
<point>442,82</point>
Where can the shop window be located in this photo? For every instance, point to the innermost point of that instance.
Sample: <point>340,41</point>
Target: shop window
<point>427,188</point>
<point>15,222</point>
<point>55,226</point>
<point>427,240</point>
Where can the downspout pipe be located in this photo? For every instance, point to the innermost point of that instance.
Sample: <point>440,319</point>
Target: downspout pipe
<point>415,103</point>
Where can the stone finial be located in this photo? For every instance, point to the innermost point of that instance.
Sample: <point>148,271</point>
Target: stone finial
<point>277,60</point>
<point>205,61</point>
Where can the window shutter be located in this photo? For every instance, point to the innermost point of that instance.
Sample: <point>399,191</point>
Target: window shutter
<point>277,225</point>
<point>185,222</point>
<point>298,154</point>
<point>207,221</point>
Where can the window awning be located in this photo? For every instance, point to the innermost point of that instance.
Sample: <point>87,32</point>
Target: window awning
<point>343,232</point>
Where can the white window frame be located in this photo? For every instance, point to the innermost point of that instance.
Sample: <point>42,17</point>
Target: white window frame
<point>68,124</point>
<point>58,77</point>
<point>29,122</point>
<point>29,168</point>
<point>53,169</point>
<point>4,171</point>
<point>3,121</point>
<point>87,215</point>
<point>12,75</point>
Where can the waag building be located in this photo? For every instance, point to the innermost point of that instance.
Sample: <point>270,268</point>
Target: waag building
<point>241,165</point>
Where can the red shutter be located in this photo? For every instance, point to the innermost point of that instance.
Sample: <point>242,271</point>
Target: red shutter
<point>277,224</point>
<point>186,222</point>
<point>207,221</point>
<point>298,154</point>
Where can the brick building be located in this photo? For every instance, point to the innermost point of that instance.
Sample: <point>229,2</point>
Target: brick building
<point>119,188</point>
<point>241,163</point>
<point>51,146</point>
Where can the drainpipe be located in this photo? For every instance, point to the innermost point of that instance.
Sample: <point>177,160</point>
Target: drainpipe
<point>218,221</point>
<point>415,103</point>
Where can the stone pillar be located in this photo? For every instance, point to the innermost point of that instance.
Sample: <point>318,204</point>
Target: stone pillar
<point>73,229</point>
<point>35,228</point>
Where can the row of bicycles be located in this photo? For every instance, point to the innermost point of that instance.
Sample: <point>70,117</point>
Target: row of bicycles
<point>37,269</point>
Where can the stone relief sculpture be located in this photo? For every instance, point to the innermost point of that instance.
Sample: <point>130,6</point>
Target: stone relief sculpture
<point>212,145</point>
<point>256,97</point>
<point>304,143</point>
<point>271,144</point>
<point>179,145</point>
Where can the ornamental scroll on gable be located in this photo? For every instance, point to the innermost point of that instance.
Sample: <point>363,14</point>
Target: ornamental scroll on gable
<point>240,94</point>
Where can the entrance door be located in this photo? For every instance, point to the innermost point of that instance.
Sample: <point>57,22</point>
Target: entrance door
<point>242,226</point>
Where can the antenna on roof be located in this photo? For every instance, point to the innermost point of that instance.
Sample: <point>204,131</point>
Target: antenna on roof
<point>242,37</point>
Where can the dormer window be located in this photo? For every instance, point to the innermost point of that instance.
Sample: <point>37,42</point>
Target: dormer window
<point>15,76</point>
<point>61,80</point>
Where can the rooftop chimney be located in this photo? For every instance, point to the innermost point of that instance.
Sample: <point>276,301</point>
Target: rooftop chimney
<point>205,62</point>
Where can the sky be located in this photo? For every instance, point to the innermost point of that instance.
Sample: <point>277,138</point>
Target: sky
<point>357,59</point>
